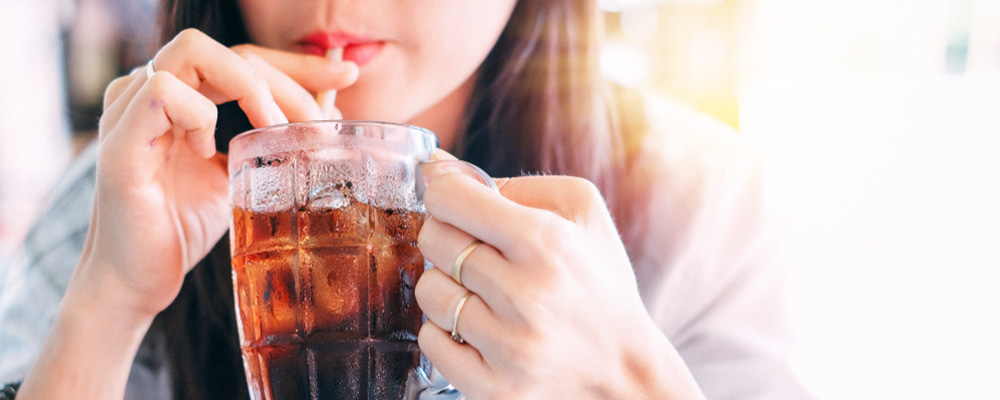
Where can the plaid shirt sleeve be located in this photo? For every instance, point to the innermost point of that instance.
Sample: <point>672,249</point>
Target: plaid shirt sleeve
<point>37,277</point>
<point>39,272</point>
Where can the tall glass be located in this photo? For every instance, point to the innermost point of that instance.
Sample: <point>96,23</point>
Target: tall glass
<point>325,258</point>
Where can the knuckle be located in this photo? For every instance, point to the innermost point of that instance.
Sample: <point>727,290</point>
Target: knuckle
<point>424,236</point>
<point>178,51</point>
<point>210,107</point>
<point>584,188</point>
<point>549,238</point>
<point>159,84</point>
<point>421,292</point>
<point>426,330</point>
<point>527,368</point>
<point>519,353</point>
<point>189,37</point>
<point>428,238</point>
<point>212,112</point>
<point>537,306</point>
<point>583,195</point>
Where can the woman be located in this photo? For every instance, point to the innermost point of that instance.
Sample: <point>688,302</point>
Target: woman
<point>676,303</point>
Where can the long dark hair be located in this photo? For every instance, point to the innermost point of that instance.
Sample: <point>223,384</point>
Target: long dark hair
<point>538,106</point>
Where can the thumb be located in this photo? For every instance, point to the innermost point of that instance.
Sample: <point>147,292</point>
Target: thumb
<point>445,164</point>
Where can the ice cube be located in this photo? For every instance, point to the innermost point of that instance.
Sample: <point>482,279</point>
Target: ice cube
<point>269,231</point>
<point>331,184</point>
<point>271,184</point>
<point>337,279</point>
<point>394,311</point>
<point>249,326</point>
<point>273,287</point>
<point>345,226</point>
<point>392,185</point>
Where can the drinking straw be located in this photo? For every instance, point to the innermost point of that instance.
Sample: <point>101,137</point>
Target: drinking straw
<point>327,98</point>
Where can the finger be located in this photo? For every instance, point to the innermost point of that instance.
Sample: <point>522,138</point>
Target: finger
<point>429,170</point>
<point>462,365</point>
<point>484,270</point>
<point>459,200</point>
<point>314,73</point>
<point>126,88</point>
<point>541,205</point>
<point>219,74</point>
<point>574,199</point>
<point>297,103</point>
<point>117,87</point>
<point>165,104</point>
<point>439,296</point>
<point>440,155</point>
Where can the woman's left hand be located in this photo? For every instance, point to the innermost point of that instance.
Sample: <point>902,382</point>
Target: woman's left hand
<point>556,312</point>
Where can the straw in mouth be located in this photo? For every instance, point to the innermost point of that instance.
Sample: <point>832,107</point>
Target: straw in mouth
<point>327,98</point>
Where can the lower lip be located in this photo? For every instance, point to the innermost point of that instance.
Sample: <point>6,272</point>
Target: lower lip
<point>360,54</point>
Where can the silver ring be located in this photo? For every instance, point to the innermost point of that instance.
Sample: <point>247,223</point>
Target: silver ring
<point>458,311</point>
<point>149,69</point>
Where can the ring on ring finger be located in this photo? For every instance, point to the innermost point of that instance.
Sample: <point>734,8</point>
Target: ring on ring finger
<point>458,312</point>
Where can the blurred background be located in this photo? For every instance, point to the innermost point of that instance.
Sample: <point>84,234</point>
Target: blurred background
<point>877,121</point>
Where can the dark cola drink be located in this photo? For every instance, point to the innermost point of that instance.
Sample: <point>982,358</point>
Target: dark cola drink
<point>326,301</point>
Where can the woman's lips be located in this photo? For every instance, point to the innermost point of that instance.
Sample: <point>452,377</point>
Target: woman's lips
<point>357,49</point>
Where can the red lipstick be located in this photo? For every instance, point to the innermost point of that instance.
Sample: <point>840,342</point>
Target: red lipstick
<point>358,49</point>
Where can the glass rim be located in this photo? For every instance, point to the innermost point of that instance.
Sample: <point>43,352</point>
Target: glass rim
<point>426,134</point>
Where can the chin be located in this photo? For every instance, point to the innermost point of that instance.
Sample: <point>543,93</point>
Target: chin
<point>371,106</point>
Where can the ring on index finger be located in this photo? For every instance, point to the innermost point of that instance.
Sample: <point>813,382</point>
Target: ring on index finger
<point>149,69</point>
<point>456,269</point>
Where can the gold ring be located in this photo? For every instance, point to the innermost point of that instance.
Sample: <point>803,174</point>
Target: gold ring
<point>458,311</point>
<point>456,270</point>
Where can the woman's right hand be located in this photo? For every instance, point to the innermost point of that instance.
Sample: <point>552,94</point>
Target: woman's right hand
<point>162,192</point>
<point>162,198</point>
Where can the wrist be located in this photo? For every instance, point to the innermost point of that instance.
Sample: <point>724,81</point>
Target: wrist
<point>90,349</point>
<point>101,305</point>
<point>654,370</point>
<point>98,287</point>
